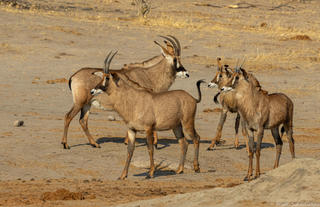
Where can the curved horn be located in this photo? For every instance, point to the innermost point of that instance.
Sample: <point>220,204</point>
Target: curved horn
<point>178,43</point>
<point>173,44</point>
<point>107,61</point>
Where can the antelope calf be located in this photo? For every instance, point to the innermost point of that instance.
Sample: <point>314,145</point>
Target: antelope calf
<point>143,110</point>
<point>261,111</point>
<point>227,100</point>
<point>157,74</point>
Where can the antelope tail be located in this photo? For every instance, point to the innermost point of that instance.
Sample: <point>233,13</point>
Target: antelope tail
<point>70,83</point>
<point>282,131</point>
<point>199,91</point>
<point>215,99</point>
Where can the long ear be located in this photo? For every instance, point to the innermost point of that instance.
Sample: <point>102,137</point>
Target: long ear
<point>244,73</point>
<point>113,80</point>
<point>164,51</point>
<point>169,48</point>
<point>228,72</point>
<point>219,64</point>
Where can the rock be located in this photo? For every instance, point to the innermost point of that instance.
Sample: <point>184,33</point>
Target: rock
<point>18,123</point>
<point>111,118</point>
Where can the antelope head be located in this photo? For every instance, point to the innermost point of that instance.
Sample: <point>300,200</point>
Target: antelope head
<point>173,55</point>
<point>222,76</point>
<point>238,76</point>
<point>105,76</point>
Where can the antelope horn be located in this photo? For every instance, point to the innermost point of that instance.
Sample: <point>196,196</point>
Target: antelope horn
<point>107,61</point>
<point>178,43</point>
<point>237,69</point>
<point>172,42</point>
<point>244,60</point>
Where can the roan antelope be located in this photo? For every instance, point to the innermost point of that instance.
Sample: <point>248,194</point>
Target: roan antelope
<point>147,111</point>
<point>261,111</point>
<point>228,103</point>
<point>157,74</point>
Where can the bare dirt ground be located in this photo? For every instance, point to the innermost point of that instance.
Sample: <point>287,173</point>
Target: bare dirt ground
<point>43,42</point>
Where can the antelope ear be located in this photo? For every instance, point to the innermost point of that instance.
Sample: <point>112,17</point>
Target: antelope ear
<point>164,52</point>
<point>169,48</point>
<point>99,74</point>
<point>244,73</point>
<point>227,72</point>
<point>114,80</point>
<point>219,65</point>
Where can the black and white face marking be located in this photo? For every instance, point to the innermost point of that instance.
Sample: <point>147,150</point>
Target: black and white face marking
<point>181,71</point>
<point>226,89</point>
<point>212,85</point>
<point>95,92</point>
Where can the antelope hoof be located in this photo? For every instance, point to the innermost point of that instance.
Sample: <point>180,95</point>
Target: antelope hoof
<point>237,146</point>
<point>95,145</point>
<point>257,175</point>
<point>197,170</point>
<point>179,172</point>
<point>247,178</point>
<point>122,177</point>
<point>210,148</point>
<point>65,145</point>
<point>156,146</point>
<point>149,176</point>
<point>220,142</point>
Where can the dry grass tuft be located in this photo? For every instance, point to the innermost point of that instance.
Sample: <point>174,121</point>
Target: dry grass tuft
<point>62,194</point>
<point>215,110</point>
<point>300,37</point>
<point>58,80</point>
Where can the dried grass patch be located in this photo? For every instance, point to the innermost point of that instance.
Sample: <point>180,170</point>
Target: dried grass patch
<point>58,80</point>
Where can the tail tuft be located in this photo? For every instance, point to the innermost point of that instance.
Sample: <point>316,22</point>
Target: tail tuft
<point>199,91</point>
<point>70,83</point>
<point>282,131</point>
<point>215,99</point>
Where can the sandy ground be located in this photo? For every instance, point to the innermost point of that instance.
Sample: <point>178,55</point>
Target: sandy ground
<point>42,43</point>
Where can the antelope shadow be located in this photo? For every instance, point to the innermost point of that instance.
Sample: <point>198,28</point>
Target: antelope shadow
<point>162,142</point>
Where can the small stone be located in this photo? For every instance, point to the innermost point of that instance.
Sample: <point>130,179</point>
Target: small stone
<point>111,118</point>
<point>18,123</point>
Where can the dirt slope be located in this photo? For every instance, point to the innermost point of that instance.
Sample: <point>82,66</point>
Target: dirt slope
<point>294,184</point>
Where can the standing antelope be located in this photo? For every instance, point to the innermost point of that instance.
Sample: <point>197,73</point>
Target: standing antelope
<point>261,111</point>
<point>147,111</point>
<point>228,103</point>
<point>156,74</point>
